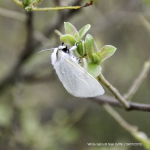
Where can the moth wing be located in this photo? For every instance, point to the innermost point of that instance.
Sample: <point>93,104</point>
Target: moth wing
<point>77,80</point>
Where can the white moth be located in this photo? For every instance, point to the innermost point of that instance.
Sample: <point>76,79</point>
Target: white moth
<point>76,80</point>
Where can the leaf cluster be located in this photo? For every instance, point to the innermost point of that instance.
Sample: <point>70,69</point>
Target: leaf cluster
<point>87,48</point>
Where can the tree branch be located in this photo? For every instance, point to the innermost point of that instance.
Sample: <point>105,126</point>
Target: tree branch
<point>119,118</point>
<point>29,50</point>
<point>13,14</point>
<point>114,102</point>
<point>134,87</point>
<point>19,3</point>
<point>121,99</point>
<point>25,52</point>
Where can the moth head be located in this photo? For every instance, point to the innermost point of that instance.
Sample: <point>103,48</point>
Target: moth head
<point>63,48</point>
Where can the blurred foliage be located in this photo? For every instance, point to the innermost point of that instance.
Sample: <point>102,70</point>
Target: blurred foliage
<point>42,115</point>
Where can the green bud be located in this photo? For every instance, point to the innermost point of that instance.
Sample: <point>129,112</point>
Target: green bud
<point>95,58</point>
<point>28,8</point>
<point>28,2</point>
<point>90,46</point>
<point>81,49</point>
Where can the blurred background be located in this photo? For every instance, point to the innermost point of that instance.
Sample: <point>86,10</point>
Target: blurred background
<point>36,112</point>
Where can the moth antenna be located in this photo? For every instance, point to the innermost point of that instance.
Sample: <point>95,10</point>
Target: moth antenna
<point>78,43</point>
<point>46,50</point>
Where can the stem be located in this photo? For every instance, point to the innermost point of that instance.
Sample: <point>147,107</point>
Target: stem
<point>138,81</point>
<point>55,8</point>
<point>121,99</point>
<point>19,3</point>
<point>12,14</point>
<point>119,118</point>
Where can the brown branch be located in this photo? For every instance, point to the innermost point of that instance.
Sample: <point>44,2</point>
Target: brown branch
<point>30,77</point>
<point>114,102</point>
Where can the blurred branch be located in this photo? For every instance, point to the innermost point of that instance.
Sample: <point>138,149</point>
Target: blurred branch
<point>68,122</point>
<point>116,15</point>
<point>144,22</point>
<point>112,101</point>
<point>134,87</point>
<point>121,99</point>
<point>29,49</point>
<point>12,14</point>
<point>21,17</point>
<point>31,77</point>
<point>119,118</point>
<point>41,38</point>
<point>19,3</point>
<point>24,53</point>
<point>133,130</point>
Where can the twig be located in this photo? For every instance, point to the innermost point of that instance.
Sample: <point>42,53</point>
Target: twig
<point>19,3</point>
<point>114,102</point>
<point>119,118</point>
<point>25,53</point>
<point>32,8</point>
<point>121,99</point>
<point>133,130</point>
<point>13,14</point>
<point>41,38</point>
<point>55,8</point>
<point>134,87</point>
<point>68,122</point>
<point>28,51</point>
<point>144,22</point>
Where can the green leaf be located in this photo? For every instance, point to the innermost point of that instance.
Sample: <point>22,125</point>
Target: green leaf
<point>93,69</point>
<point>68,39</point>
<point>106,52</point>
<point>90,46</point>
<point>81,49</point>
<point>96,58</point>
<point>37,2</point>
<point>28,2</point>
<point>83,31</point>
<point>70,29</point>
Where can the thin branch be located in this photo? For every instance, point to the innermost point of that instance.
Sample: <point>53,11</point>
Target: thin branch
<point>13,14</point>
<point>133,130</point>
<point>25,52</point>
<point>134,87</point>
<point>41,38</point>
<point>55,8</point>
<point>32,8</point>
<point>68,122</point>
<point>120,98</point>
<point>114,102</point>
<point>19,3</point>
<point>119,118</point>
<point>28,51</point>
<point>31,77</point>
